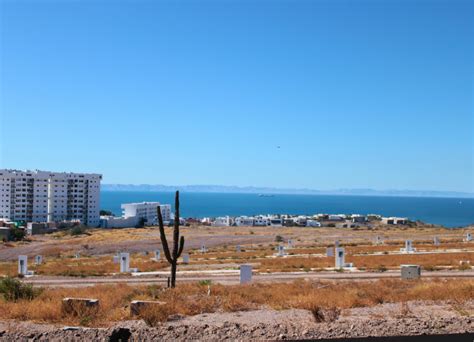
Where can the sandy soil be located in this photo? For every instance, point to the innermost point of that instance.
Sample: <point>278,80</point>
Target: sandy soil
<point>412,318</point>
<point>104,242</point>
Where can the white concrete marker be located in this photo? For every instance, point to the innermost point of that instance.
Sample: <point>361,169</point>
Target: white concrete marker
<point>186,258</point>
<point>245,274</point>
<point>38,260</point>
<point>238,248</point>
<point>281,250</point>
<point>336,243</point>
<point>157,255</point>
<point>290,243</point>
<point>436,241</point>
<point>124,262</point>
<point>330,252</point>
<point>340,257</point>
<point>23,264</point>
<point>468,237</point>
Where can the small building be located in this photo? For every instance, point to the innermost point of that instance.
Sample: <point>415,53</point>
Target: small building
<point>244,221</point>
<point>276,222</point>
<point>225,221</point>
<point>261,221</point>
<point>359,218</point>
<point>313,223</point>
<point>5,234</point>
<point>394,220</point>
<point>147,211</point>
<point>118,222</point>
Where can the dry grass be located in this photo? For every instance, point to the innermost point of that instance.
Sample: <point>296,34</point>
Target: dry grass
<point>369,262</point>
<point>324,299</point>
<point>84,266</point>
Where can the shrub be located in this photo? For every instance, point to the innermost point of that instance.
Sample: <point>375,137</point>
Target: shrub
<point>17,234</point>
<point>78,230</point>
<point>155,314</point>
<point>13,290</point>
<point>278,238</point>
<point>381,268</point>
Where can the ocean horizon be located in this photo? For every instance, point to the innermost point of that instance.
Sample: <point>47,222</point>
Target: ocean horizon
<point>446,211</point>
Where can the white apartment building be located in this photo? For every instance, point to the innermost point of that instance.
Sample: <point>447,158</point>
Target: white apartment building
<point>44,196</point>
<point>147,211</point>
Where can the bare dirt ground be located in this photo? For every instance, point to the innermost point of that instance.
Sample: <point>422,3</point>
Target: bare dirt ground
<point>400,319</point>
<point>109,241</point>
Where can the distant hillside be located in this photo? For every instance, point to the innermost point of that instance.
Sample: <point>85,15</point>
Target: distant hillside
<point>265,190</point>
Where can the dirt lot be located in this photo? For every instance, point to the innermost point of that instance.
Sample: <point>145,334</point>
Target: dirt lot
<point>257,248</point>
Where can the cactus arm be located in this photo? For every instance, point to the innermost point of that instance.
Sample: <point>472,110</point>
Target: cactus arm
<point>181,246</point>
<point>164,242</point>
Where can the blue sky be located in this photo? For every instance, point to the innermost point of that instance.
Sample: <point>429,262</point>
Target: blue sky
<point>358,94</point>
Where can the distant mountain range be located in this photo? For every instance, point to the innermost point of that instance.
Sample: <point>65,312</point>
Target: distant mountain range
<point>267,190</point>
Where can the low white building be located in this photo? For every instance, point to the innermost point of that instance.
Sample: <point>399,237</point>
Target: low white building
<point>222,221</point>
<point>261,221</point>
<point>313,223</point>
<point>147,211</point>
<point>244,221</point>
<point>394,220</point>
<point>118,222</point>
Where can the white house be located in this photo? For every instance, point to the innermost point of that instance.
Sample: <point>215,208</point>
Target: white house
<point>118,222</point>
<point>261,221</point>
<point>394,220</point>
<point>147,211</point>
<point>313,223</point>
<point>45,196</point>
<point>222,221</point>
<point>244,221</point>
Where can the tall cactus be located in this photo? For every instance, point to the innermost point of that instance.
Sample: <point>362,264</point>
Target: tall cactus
<point>178,244</point>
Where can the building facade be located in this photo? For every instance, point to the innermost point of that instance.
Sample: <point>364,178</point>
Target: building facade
<point>44,196</point>
<point>147,211</point>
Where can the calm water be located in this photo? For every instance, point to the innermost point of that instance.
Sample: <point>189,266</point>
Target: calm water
<point>450,212</point>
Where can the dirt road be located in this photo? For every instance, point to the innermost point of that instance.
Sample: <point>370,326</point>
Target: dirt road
<point>232,277</point>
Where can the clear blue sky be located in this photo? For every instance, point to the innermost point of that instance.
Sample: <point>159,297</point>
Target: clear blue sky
<point>358,94</point>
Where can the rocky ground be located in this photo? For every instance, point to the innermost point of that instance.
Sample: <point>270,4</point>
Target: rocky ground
<point>400,319</point>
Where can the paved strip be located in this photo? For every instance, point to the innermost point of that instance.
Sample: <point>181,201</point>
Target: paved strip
<point>230,279</point>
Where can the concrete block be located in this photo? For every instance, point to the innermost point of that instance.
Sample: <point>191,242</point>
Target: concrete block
<point>23,264</point>
<point>137,306</point>
<point>436,241</point>
<point>280,251</point>
<point>238,249</point>
<point>186,258</point>
<point>340,256</point>
<point>157,255</point>
<point>330,252</point>
<point>124,262</point>
<point>245,274</point>
<point>79,306</point>
<point>410,271</point>
<point>38,260</point>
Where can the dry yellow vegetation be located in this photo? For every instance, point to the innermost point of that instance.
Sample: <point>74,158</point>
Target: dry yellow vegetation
<point>194,298</point>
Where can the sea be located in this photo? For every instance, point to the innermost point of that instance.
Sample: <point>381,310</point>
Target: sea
<point>449,212</point>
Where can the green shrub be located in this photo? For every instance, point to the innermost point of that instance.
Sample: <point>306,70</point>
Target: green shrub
<point>78,230</point>
<point>17,234</point>
<point>12,290</point>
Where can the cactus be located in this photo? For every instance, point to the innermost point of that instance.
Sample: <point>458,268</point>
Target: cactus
<point>178,243</point>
